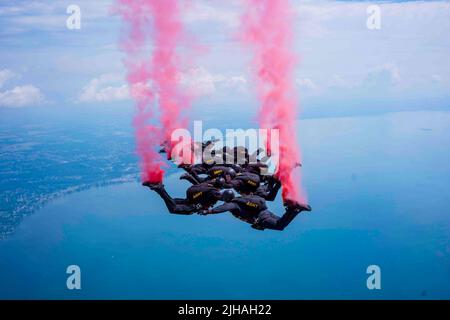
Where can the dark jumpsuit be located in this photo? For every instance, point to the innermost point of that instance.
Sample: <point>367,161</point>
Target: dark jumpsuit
<point>244,183</point>
<point>252,209</point>
<point>217,171</point>
<point>195,170</point>
<point>269,190</point>
<point>197,197</point>
<point>271,185</point>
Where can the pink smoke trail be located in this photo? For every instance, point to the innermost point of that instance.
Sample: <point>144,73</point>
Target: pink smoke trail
<point>267,29</point>
<point>153,76</point>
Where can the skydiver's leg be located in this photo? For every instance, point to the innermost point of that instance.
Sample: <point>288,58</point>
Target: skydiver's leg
<point>268,220</point>
<point>286,219</point>
<point>183,209</point>
<point>196,176</point>
<point>175,206</point>
<point>198,168</point>
<point>190,178</point>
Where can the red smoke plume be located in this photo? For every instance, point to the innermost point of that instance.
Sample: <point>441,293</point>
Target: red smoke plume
<point>267,28</point>
<point>153,76</point>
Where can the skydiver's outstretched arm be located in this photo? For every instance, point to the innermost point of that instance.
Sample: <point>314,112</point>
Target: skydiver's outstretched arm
<point>231,184</point>
<point>227,206</point>
<point>189,177</point>
<point>195,172</point>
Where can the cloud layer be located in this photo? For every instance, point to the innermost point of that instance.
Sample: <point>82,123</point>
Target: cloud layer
<point>101,89</point>
<point>18,96</point>
<point>338,55</point>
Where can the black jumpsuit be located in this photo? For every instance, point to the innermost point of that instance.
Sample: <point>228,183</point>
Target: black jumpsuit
<point>197,197</point>
<point>246,181</point>
<point>217,171</point>
<point>252,209</point>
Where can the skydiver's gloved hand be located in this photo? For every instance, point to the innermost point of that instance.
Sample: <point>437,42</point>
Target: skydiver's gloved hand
<point>198,207</point>
<point>204,212</point>
<point>184,176</point>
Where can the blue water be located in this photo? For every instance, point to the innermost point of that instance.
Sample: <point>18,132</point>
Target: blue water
<point>380,191</point>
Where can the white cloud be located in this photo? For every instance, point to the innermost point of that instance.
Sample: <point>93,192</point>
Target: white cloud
<point>319,17</point>
<point>307,84</point>
<point>25,7</point>
<point>200,82</point>
<point>337,82</point>
<point>6,75</point>
<point>21,96</point>
<point>197,81</point>
<point>384,75</point>
<point>101,89</point>
<point>200,11</point>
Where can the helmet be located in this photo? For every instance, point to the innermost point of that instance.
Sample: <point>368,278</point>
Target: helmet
<point>231,172</point>
<point>227,195</point>
<point>219,182</point>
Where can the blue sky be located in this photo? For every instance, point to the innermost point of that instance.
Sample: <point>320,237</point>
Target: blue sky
<point>345,67</point>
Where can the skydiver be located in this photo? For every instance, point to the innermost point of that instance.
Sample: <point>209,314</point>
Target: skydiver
<point>270,184</point>
<point>243,182</point>
<point>251,183</point>
<point>217,171</point>
<point>194,171</point>
<point>253,210</point>
<point>198,197</point>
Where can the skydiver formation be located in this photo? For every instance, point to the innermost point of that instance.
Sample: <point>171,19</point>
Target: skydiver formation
<point>219,176</point>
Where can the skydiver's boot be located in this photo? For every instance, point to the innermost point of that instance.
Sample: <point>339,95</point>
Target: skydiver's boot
<point>296,207</point>
<point>153,185</point>
<point>158,187</point>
